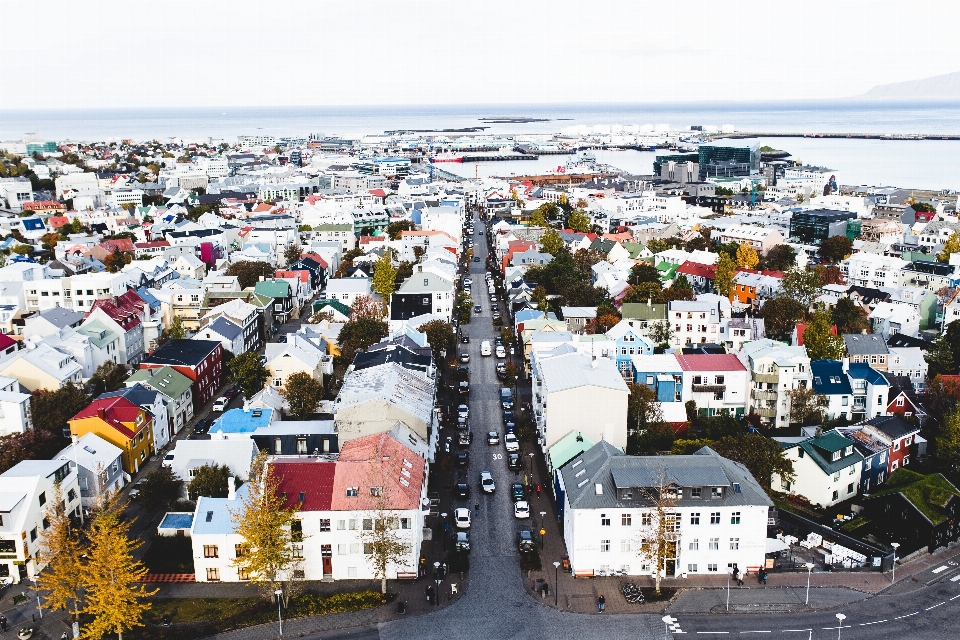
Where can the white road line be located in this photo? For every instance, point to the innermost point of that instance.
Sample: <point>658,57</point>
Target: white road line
<point>849,626</point>
<point>935,606</point>
<point>796,630</point>
<point>742,632</point>
<point>941,569</point>
<point>953,598</point>
<point>955,578</point>
<point>708,633</point>
<point>866,624</point>
<point>907,616</point>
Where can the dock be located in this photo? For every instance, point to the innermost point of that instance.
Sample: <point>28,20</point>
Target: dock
<point>852,136</point>
<point>560,178</point>
<point>502,156</point>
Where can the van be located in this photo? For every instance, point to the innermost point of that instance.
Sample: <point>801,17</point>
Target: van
<point>501,352</point>
<point>485,348</point>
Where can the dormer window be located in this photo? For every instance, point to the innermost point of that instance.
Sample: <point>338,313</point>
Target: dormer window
<point>716,492</point>
<point>835,456</point>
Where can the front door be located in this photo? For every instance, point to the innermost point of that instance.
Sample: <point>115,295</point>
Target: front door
<point>328,566</point>
<point>22,569</point>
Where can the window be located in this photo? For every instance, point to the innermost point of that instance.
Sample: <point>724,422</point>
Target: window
<point>716,492</point>
<point>71,496</point>
<point>695,544</point>
<point>604,520</point>
<point>894,465</point>
<point>850,488</point>
<point>695,518</point>
<point>735,517</point>
<point>691,568</point>
<point>645,519</point>
<point>696,492</point>
<point>298,551</point>
<point>352,492</point>
<point>341,525</point>
<point>368,524</point>
<point>896,447</point>
<point>43,495</point>
<point>278,382</point>
<point>341,549</point>
<point>719,380</point>
<point>836,477</point>
<point>625,546</point>
<point>714,544</point>
<point>734,544</point>
<point>626,519</point>
<point>352,524</point>
<point>243,574</point>
<point>324,524</point>
<point>213,574</point>
<point>712,568</point>
<point>835,495</point>
<point>906,461</point>
<point>367,549</point>
<point>354,548</point>
<point>604,546</point>
<point>405,523</point>
<point>240,550</point>
<point>211,551</point>
<point>715,517</point>
<point>376,492</point>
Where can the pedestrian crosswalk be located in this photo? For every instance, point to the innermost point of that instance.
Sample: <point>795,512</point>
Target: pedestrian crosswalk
<point>941,569</point>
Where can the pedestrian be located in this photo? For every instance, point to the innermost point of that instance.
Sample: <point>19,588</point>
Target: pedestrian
<point>538,491</point>
<point>764,576</point>
<point>3,623</point>
<point>736,573</point>
<point>63,636</point>
<point>429,594</point>
<point>600,603</point>
<point>476,508</point>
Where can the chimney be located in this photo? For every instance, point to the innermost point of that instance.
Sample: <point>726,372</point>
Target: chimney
<point>262,278</point>
<point>846,365</point>
<point>146,311</point>
<point>649,301</point>
<point>420,268</point>
<point>231,488</point>
<point>101,414</point>
<point>818,432</point>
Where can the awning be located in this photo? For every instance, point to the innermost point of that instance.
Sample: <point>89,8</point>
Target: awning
<point>774,545</point>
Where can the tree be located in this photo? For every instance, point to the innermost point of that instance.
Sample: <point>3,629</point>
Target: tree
<point>359,334</point>
<point>643,272</point>
<point>680,289</point>
<point>247,372</point>
<point>404,271</point>
<point>952,245</point>
<point>697,243</point>
<point>835,248</point>
<point>605,322</point>
<point>584,259</point>
<point>747,257</point>
<point>661,332</point>
<point>849,317</point>
<point>266,524</point>
<point>115,261</point>
<point>249,272</point>
<point>551,242</point>
<point>939,358</point>
<point>367,307</point>
<point>209,481</point>
<point>803,285</point>
<point>539,296</point>
<point>60,550</point>
<point>780,316</point>
<point>394,229</point>
<point>659,526</point>
<point>384,276</point>
<point>292,253</point>
<point>819,338</point>
<point>177,330</point>
<point>52,409</point>
<point>108,377</point>
<point>806,406</point>
<point>162,488</point>
<point>780,258</point>
<point>761,456</point>
<point>645,421</point>
<point>538,218</point>
<point>579,221</point>
<point>724,275</point>
<point>112,577</point>
<point>32,444</point>
<point>947,443</point>
<point>440,337</point>
<point>644,292</point>
<point>303,394</point>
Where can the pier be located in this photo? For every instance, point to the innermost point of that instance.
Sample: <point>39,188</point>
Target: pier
<point>852,136</point>
<point>543,180</point>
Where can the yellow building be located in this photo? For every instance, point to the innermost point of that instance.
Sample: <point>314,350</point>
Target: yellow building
<point>121,423</point>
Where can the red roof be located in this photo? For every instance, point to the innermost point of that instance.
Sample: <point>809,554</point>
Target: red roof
<point>380,193</point>
<point>302,274</point>
<point>369,239</point>
<point>312,479</point>
<point>151,245</point>
<point>126,312</point>
<point>710,362</point>
<point>689,268</point>
<point>6,342</point>
<point>56,222</point>
<point>116,410</point>
<point>316,258</point>
<point>41,205</point>
<point>122,244</point>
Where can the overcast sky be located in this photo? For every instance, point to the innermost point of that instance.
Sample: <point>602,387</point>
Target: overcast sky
<point>166,53</point>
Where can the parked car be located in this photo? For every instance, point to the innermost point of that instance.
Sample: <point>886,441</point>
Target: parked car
<point>464,388</point>
<point>467,280</point>
<point>463,411</point>
<point>202,425</point>
<point>461,541</point>
<point>462,518</point>
<point>501,352</point>
<point>493,438</point>
<point>486,482</point>
<point>465,438</point>
<point>508,416</point>
<point>525,541</point>
<point>220,404</point>
<point>464,357</point>
<point>480,232</point>
<point>518,492</point>
<point>511,443</point>
<point>168,460</point>
<point>135,492</point>
<point>513,461</point>
<point>463,490</point>
<point>463,424</point>
<point>521,509</point>
<point>463,459</point>
<point>465,339</point>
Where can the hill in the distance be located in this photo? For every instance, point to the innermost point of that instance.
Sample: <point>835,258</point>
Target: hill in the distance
<point>943,87</point>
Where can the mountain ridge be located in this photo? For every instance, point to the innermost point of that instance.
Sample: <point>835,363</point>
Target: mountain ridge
<point>946,86</point>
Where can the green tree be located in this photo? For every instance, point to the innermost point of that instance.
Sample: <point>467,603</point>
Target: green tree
<point>292,253</point>
<point>643,409</point>
<point>108,377</point>
<point>747,257</point>
<point>761,456</point>
<point>835,248</point>
<point>384,276</point>
<point>584,259</point>
<point>177,330</point>
<point>209,481</point>
<point>551,242</point>
<point>849,317</point>
<point>948,444</point>
<point>538,218</point>
<point>247,372</point>
<point>115,596</point>
<point>661,332</point>
<point>644,292</point>
<point>394,229</point>
<point>724,275</point>
<point>75,226</point>
<point>697,243</point>
<point>440,337</point>
<point>806,406</point>
<point>780,315</point>
<point>579,221</point>
<point>303,394</point>
<point>952,245</point>
<point>161,488</point>
<point>644,272</point>
<point>539,296</point>
<point>782,257</point>
<point>803,285</point>
<point>404,271</point>
<point>680,289</point>
<point>818,337</point>
<point>52,409</point>
<point>249,272</point>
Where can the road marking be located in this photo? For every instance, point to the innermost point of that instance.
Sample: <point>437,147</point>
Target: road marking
<point>954,598</point>
<point>866,624</point>
<point>941,569</point>
<point>955,578</point>
<point>796,630</point>
<point>907,616</point>
<point>935,606</point>
<point>742,632</point>
<point>710,633</point>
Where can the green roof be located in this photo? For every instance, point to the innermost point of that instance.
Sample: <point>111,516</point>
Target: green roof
<point>333,227</point>
<point>166,380</point>
<point>633,248</point>
<point>568,448</point>
<point>821,448</point>
<point>640,311</point>
<point>336,304</point>
<point>273,288</point>
<point>99,333</point>
<point>928,493</point>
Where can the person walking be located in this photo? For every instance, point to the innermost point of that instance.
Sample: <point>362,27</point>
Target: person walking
<point>3,623</point>
<point>600,602</point>
<point>538,491</point>
<point>736,573</point>
<point>476,508</point>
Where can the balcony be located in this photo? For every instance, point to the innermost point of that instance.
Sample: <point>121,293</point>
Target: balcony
<point>765,395</point>
<point>709,388</point>
<point>765,412</point>
<point>766,377</point>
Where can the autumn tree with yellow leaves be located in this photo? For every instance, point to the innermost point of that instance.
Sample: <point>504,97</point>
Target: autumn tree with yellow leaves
<point>747,257</point>
<point>60,551</point>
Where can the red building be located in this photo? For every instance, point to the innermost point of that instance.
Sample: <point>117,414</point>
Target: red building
<point>199,360</point>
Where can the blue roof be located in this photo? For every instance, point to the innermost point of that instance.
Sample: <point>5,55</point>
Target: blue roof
<point>149,298</point>
<point>177,521</point>
<point>829,378</point>
<point>213,514</point>
<point>225,328</point>
<point>863,371</point>
<point>33,224</point>
<point>241,421</point>
<point>528,314</point>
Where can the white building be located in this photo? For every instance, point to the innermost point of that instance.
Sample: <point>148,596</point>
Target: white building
<point>100,469</point>
<point>872,270</point>
<point>775,370</point>
<point>827,468</point>
<point>15,416</point>
<point>695,321</point>
<point>719,516</point>
<point>347,290</point>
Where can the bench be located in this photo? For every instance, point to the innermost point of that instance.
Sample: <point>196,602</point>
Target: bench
<point>583,574</point>
<point>406,575</point>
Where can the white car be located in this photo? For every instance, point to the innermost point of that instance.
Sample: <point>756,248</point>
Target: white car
<point>463,411</point>
<point>486,482</point>
<point>485,348</point>
<point>220,404</point>
<point>462,518</point>
<point>501,352</point>
<point>521,509</point>
<point>511,443</point>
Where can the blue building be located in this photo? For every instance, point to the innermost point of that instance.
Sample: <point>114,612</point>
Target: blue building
<point>831,381</point>
<point>630,341</point>
<point>870,390</point>
<point>661,373</point>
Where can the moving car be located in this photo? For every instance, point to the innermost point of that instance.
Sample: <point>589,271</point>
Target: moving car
<point>521,509</point>
<point>486,482</point>
<point>477,309</point>
<point>476,258</point>
<point>525,541</point>
<point>463,490</point>
<point>493,438</point>
<point>513,461</point>
<point>481,232</point>
<point>465,339</point>
<point>462,518</point>
<point>485,348</point>
<point>511,443</point>
<point>232,393</point>
<point>220,404</point>
<point>461,541</point>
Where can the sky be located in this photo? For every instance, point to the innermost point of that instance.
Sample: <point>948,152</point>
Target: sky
<point>173,53</point>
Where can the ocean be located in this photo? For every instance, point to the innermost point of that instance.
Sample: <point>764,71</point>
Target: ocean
<point>931,164</point>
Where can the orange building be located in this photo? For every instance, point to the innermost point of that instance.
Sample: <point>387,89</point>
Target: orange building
<point>121,423</point>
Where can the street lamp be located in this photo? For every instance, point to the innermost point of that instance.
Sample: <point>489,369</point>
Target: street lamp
<point>729,571</point>
<point>437,579</point>
<point>531,467</point>
<point>809,567</point>
<point>667,621</point>
<point>279,594</point>
<point>840,619</point>
<point>556,583</point>
<point>37,591</point>
<point>895,545</point>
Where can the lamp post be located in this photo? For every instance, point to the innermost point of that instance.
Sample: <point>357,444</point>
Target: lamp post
<point>729,571</point>
<point>37,591</point>
<point>840,619</point>
<point>436,577</point>
<point>809,567</point>
<point>556,583</point>
<point>667,621</point>
<point>895,545</point>
<point>279,594</point>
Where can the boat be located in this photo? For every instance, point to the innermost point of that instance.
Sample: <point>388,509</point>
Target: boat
<point>447,157</point>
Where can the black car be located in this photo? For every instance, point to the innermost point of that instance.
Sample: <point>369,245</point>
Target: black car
<point>463,373</point>
<point>282,338</point>
<point>465,339</point>
<point>202,426</point>
<point>517,492</point>
<point>476,258</point>
<point>513,460</point>
<point>463,490</point>
<point>463,459</point>
<point>508,416</point>
<point>464,388</point>
<point>525,541</point>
